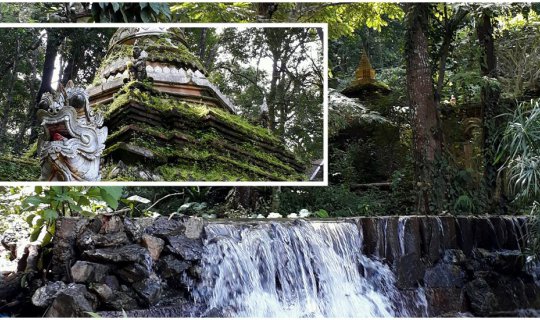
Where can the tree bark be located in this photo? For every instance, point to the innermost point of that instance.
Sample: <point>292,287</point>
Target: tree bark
<point>54,39</point>
<point>489,95</point>
<point>30,108</point>
<point>426,134</point>
<point>9,98</point>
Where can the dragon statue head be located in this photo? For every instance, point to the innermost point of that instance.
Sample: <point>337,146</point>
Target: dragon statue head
<point>73,137</point>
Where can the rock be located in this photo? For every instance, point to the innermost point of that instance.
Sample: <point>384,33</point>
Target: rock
<point>44,296</point>
<point>74,301</point>
<point>90,240</point>
<point>199,207</point>
<point>194,228</point>
<point>112,282</point>
<point>86,272</point>
<point>182,309</point>
<point>431,234</point>
<point>445,301</point>
<point>111,224</point>
<point>169,266</point>
<point>509,261</point>
<point>128,253</point>
<point>189,249</point>
<point>410,271</point>
<point>103,291</point>
<point>444,275</point>
<point>481,298</point>
<point>149,289</point>
<point>154,245</point>
<point>133,272</point>
<point>163,227</point>
<point>64,248</point>
<point>195,271</point>
<point>134,228</point>
<point>274,215</point>
<point>122,301</point>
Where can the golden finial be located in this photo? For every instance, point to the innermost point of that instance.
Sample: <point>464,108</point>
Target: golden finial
<point>364,73</point>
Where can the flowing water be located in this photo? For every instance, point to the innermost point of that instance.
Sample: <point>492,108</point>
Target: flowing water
<point>300,269</point>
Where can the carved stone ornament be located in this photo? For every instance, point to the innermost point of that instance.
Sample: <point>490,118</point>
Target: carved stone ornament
<point>73,137</point>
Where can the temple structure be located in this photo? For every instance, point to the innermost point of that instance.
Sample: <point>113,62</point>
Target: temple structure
<point>168,122</point>
<point>364,84</point>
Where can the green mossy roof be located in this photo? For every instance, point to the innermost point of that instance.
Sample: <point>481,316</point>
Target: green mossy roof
<point>195,151</point>
<point>19,169</point>
<point>147,96</point>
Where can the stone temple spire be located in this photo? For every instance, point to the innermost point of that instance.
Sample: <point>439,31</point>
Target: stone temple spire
<point>169,122</point>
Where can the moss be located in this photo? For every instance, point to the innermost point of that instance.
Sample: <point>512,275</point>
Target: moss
<point>158,50</point>
<point>162,102</point>
<point>19,169</point>
<point>32,151</point>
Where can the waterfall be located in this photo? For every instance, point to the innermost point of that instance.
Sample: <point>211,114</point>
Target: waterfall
<point>295,269</point>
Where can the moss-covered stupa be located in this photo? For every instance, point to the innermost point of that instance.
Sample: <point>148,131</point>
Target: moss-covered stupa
<point>168,122</point>
<point>364,84</point>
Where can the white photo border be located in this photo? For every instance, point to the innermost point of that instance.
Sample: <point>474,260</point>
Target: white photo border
<point>323,183</point>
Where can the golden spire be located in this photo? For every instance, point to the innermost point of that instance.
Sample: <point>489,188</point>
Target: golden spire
<point>364,73</point>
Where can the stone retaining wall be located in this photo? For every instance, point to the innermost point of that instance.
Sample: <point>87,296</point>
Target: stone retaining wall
<point>110,264</point>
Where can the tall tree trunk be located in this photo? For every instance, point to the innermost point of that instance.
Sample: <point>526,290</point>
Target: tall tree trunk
<point>9,99</point>
<point>54,39</point>
<point>273,91</point>
<point>30,108</point>
<point>426,134</point>
<point>489,95</point>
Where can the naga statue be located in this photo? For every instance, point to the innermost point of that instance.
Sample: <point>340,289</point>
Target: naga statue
<point>73,137</point>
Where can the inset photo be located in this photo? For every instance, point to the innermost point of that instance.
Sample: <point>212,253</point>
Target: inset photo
<point>163,103</point>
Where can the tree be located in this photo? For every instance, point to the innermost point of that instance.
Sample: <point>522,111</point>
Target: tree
<point>292,86</point>
<point>489,96</point>
<point>426,134</point>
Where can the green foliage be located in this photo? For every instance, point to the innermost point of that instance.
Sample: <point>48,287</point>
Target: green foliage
<point>212,12</point>
<point>130,12</point>
<point>48,204</point>
<point>336,201</point>
<point>17,169</point>
<point>519,151</point>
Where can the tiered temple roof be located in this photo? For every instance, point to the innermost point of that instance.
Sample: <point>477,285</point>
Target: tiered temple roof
<point>174,124</point>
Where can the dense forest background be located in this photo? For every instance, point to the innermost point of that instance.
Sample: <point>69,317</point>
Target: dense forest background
<point>459,133</point>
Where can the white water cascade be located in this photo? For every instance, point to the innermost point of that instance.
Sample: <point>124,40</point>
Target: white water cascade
<point>300,269</point>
